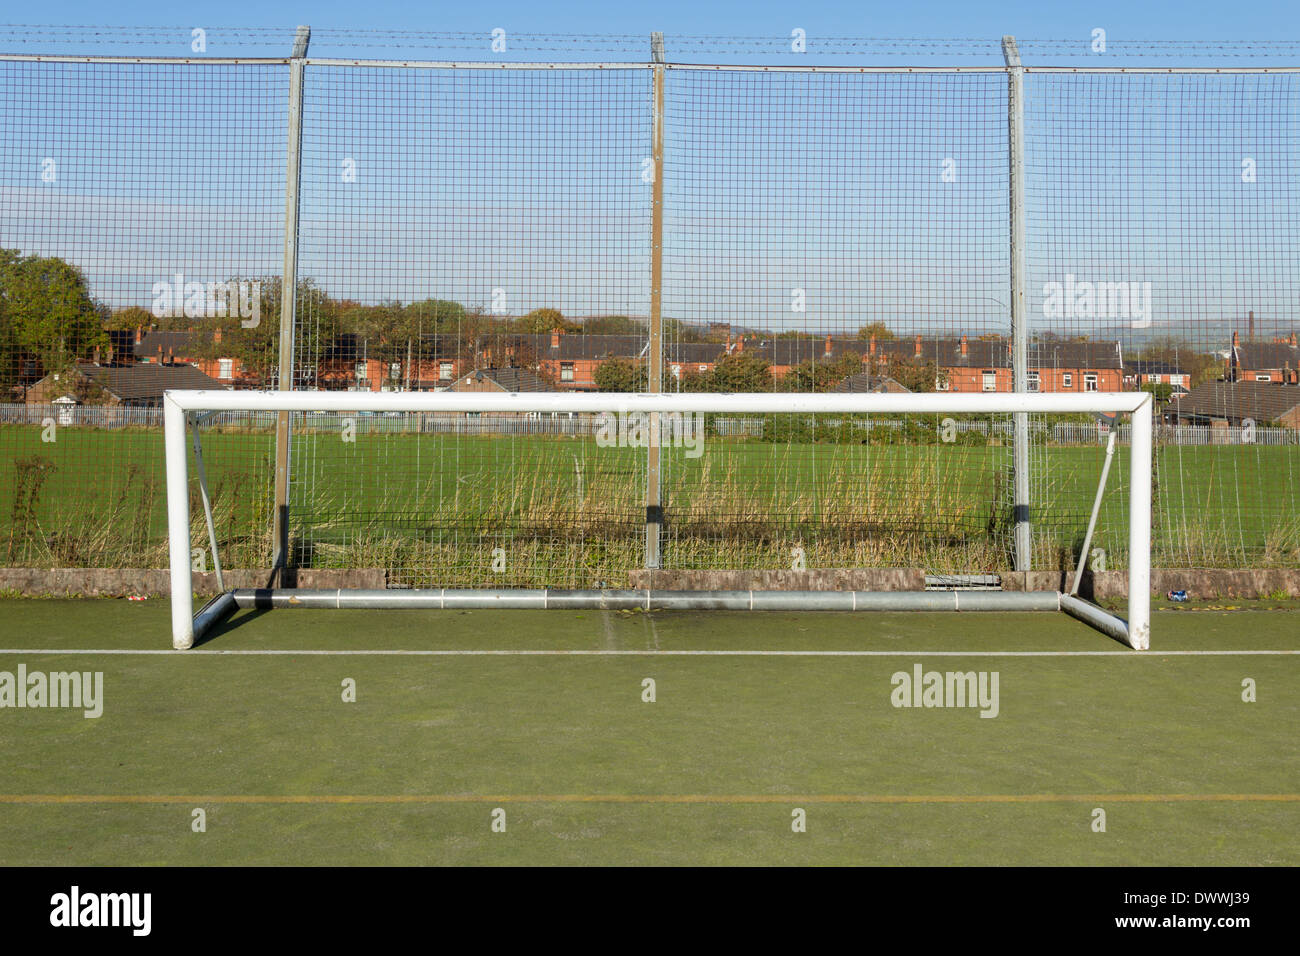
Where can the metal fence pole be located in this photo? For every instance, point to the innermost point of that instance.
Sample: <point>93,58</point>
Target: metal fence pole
<point>289,292</point>
<point>654,515</point>
<point>1019,303</point>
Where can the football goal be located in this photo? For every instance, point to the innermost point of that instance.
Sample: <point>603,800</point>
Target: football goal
<point>746,502</point>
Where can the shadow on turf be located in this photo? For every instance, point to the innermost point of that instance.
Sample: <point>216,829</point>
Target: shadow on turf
<point>232,623</point>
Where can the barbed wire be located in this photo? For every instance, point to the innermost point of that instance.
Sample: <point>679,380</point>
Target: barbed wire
<point>635,46</point>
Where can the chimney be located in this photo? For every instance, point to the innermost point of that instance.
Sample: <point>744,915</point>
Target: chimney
<point>828,345</point>
<point>171,356</point>
<point>216,336</point>
<point>1235,341</point>
<point>871,345</point>
<point>96,354</point>
<point>160,355</point>
<point>139,334</point>
<point>963,346</point>
<point>740,343</point>
<point>555,338</point>
<point>1292,340</point>
<point>917,351</point>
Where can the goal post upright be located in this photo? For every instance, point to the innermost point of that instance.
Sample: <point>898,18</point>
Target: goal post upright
<point>1140,523</point>
<point>178,522</point>
<point>1135,632</point>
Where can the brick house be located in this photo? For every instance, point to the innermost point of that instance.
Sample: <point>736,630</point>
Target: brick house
<point>1139,372</point>
<point>1253,361</point>
<point>159,347</point>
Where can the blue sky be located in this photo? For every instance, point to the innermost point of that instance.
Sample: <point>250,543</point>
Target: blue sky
<point>1195,19</point>
<point>477,181</point>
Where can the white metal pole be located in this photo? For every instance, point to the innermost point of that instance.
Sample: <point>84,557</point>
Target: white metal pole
<point>1096,508</point>
<point>178,524</point>
<point>1139,528</point>
<point>1024,539</point>
<point>753,403</point>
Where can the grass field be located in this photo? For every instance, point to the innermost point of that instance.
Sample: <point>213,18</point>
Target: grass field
<point>251,727</point>
<point>433,507</point>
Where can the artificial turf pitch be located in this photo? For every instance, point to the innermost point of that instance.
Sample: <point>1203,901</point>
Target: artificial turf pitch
<point>711,772</point>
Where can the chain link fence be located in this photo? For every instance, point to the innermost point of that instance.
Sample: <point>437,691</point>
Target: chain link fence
<point>717,216</point>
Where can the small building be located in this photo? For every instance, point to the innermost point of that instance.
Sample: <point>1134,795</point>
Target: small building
<point>500,380</point>
<point>127,385</point>
<point>1231,403</point>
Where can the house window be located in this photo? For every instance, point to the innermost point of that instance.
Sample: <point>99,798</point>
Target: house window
<point>1263,378</point>
<point>941,385</point>
<point>677,371</point>
<point>1067,380</point>
<point>1033,382</point>
<point>394,369</point>
<point>226,368</point>
<point>1090,382</point>
<point>704,368</point>
<point>990,378</point>
<point>361,371</point>
<point>444,371</point>
<point>566,371</point>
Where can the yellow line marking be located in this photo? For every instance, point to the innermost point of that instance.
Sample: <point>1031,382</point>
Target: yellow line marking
<point>429,798</point>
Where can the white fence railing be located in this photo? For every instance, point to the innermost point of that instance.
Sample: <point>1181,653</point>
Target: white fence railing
<point>1057,433</point>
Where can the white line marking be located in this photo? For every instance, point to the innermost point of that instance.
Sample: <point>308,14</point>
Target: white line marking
<point>466,652</point>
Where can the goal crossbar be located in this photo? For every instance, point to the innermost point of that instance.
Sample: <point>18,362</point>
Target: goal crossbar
<point>186,627</point>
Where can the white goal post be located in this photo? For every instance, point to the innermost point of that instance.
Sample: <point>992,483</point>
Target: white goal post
<point>179,405</point>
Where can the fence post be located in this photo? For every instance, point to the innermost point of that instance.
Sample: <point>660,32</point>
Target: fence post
<point>1019,303</point>
<point>654,515</point>
<point>288,293</point>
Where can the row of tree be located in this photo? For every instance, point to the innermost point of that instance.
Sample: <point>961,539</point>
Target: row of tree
<point>49,320</point>
<point>747,372</point>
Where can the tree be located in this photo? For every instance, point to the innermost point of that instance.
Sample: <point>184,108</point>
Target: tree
<point>914,376</point>
<point>1201,366</point>
<point>257,347</point>
<point>1162,391</point>
<point>436,315</point>
<point>132,317</point>
<point>621,375</point>
<point>812,376</point>
<point>738,372</point>
<point>881,331</point>
<point>541,321</point>
<point>613,325</point>
<point>675,330</point>
<point>47,315</point>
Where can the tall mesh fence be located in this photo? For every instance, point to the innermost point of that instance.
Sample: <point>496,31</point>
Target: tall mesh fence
<point>138,202</point>
<point>1162,211</point>
<point>480,228</point>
